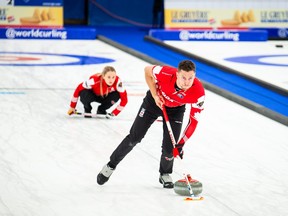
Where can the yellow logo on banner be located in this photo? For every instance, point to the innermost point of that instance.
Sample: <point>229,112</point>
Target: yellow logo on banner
<point>31,16</point>
<point>203,18</point>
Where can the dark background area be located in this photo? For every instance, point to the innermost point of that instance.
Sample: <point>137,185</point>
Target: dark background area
<point>113,13</point>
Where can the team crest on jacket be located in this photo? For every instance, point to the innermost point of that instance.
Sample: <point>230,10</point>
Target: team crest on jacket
<point>141,114</point>
<point>181,96</point>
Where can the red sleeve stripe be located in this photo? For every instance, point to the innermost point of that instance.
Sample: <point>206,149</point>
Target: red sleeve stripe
<point>74,99</point>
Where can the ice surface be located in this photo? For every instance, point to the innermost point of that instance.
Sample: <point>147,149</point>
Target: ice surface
<point>49,160</point>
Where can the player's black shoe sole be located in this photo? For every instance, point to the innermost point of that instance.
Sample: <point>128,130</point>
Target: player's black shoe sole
<point>104,174</point>
<point>101,179</point>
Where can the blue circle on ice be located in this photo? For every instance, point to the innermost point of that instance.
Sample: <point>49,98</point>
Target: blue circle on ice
<point>74,59</point>
<point>259,59</point>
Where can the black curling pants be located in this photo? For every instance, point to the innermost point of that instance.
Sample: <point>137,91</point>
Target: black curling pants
<point>147,114</point>
<point>87,96</point>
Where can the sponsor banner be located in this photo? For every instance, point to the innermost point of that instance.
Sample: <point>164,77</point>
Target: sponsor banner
<point>31,16</point>
<point>275,33</point>
<point>209,35</point>
<point>227,18</point>
<point>37,2</point>
<point>62,34</point>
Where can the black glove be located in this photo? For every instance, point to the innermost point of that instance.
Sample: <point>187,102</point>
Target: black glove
<point>178,151</point>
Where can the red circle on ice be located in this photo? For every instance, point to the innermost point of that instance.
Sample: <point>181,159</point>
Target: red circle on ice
<point>17,58</point>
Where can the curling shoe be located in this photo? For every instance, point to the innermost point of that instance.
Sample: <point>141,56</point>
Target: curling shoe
<point>166,180</point>
<point>104,174</point>
<point>87,113</point>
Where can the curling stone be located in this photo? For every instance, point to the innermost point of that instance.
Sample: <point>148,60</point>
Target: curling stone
<point>181,187</point>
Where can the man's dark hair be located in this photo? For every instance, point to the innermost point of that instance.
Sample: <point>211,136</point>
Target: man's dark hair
<point>186,65</point>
